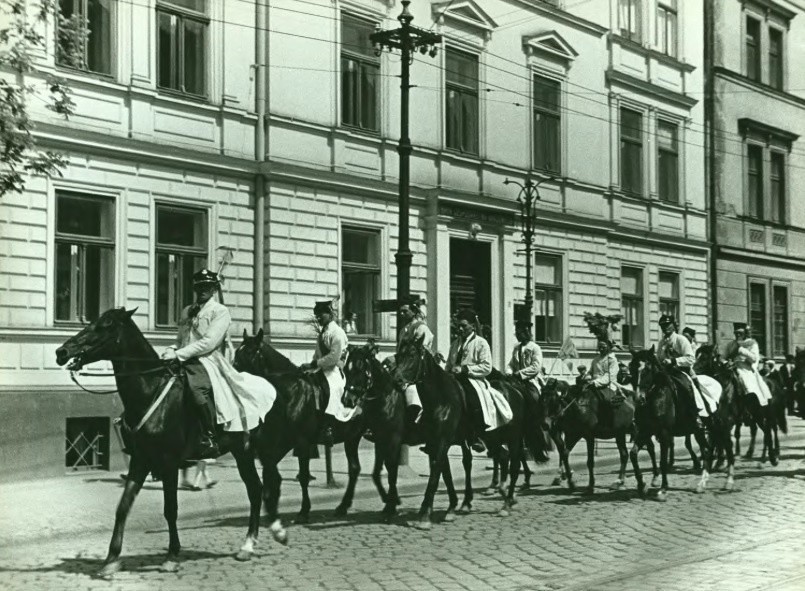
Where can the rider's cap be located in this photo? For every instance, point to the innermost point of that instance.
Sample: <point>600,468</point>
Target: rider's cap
<point>522,325</point>
<point>412,301</point>
<point>690,331</point>
<point>467,314</point>
<point>667,319</point>
<point>739,326</point>
<point>205,277</point>
<point>325,307</point>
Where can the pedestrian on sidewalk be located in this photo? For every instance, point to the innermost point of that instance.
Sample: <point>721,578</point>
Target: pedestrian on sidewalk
<point>201,476</point>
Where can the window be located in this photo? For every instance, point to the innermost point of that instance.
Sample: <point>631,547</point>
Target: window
<point>753,48</point>
<point>755,180</point>
<point>360,278</point>
<point>547,119</point>
<point>777,174</point>
<point>86,445</point>
<point>547,298</point>
<point>757,314</point>
<point>667,26</point>
<point>85,35</point>
<point>84,256</point>
<point>182,45</point>
<point>631,151</point>
<point>462,101</point>
<point>779,325</point>
<point>181,250</point>
<point>632,304</point>
<point>668,162</point>
<point>629,16</point>
<point>776,58</point>
<point>360,73</point>
<point>669,294</point>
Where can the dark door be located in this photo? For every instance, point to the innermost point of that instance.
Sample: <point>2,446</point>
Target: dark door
<point>471,280</point>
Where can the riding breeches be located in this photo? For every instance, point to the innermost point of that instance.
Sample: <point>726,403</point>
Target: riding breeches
<point>198,382</point>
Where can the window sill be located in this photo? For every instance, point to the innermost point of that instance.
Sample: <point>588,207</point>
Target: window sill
<point>765,223</point>
<point>464,156</point>
<point>81,74</point>
<point>183,96</point>
<point>360,131</point>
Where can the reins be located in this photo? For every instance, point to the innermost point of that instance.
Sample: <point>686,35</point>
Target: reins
<point>90,374</point>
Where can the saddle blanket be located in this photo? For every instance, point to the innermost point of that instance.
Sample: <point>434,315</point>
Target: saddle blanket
<point>242,400</point>
<point>755,384</point>
<point>494,405</point>
<point>710,390</point>
<point>335,407</point>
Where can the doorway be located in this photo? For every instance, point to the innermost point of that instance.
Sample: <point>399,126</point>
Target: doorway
<point>471,280</point>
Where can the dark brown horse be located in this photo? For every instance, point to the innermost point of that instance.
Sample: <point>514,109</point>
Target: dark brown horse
<point>445,422</point>
<point>294,422</point>
<point>162,440</point>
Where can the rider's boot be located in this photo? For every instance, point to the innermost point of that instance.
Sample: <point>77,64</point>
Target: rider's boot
<point>208,446</point>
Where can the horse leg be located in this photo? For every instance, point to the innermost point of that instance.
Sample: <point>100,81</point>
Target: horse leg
<point>137,473</point>
<point>707,458</point>
<point>380,453</point>
<point>564,453</point>
<point>354,470</point>
<point>505,470</point>
<point>590,464</point>
<point>436,460</point>
<point>466,461</point>
<point>726,444</point>
<point>170,509</point>
<point>452,497</point>
<point>271,491</point>
<point>697,465</point>
<point>515,450</point>
<point>750,452</point>
<point>641,486</point>
<point>304,482</point>
<point>620,441</point>
<point>527,472</point>
<point>671,454</point>
<point>665,439</point>
<point>767,439</point>
<point>254,488</point>
<point>496,469</point>
<point>392,467</point>
<point>738,438</point>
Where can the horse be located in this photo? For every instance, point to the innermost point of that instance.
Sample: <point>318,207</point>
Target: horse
<point>581,414</point>
<point>163,428</point>
<point>664,417</point>
<point>445,422</point>
<point>294,422</point>
<point>799,380</point>
<point>777,421</point>
<point>371,387</point>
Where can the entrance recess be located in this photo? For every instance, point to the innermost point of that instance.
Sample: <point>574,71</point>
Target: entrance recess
<point>471,279</point>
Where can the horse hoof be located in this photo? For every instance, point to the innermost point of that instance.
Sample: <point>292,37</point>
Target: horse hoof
<point>774,461</point>
<point>571,485</point>
<point>304,518</point>
<point>641,490</point>
<point>281,537</point>
<point>423,525</point>
<point>243,556</point>
<point>109,569</point>
<point>729,485</point>
<point>340,511</point>
<point>465,509</point>
<point>655,482</point>
<point>662,496</point>
<point>556,481</point>
<point>525,486</point>
<point>618,485</point>
<point>169,566</point>
<point>503,512</point>
<point>450,516</point>
<point>589,491</point>
<point>700,489</point>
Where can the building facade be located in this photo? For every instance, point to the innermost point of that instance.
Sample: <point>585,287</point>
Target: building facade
<point>271,129</point>
<point>757,161</point>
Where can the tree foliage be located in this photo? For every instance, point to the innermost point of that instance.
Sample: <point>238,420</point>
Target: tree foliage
<point>21,38</point>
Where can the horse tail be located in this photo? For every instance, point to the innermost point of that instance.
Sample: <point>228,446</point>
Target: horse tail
<point>536,445</point>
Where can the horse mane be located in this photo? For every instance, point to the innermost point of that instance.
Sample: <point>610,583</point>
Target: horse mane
<point>276,360</point>
<point>136,333</point>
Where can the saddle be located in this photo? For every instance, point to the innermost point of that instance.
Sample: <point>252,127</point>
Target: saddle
<point>472,404</point>
<point>324,390</point>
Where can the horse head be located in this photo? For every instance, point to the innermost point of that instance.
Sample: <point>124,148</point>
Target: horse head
<point>101,339</point>
<point>553,392</point>
<point>644,368</point>
<point>412,362</point>
<point>249,355</point>
<point>360,372</point>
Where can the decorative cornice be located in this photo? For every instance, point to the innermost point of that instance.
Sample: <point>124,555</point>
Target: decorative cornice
<point>752,256</point>
<point>747,125</point>
<point>659,92</point>
<point>770,7</point>
<point>552,43</point>
<point>764,89</point>
<point>562,16</point>
<point>649,52</point>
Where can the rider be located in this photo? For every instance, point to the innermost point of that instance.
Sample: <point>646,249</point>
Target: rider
<point>471,357</point>
<point>603,374</point>
<point>690,334</point>
<point>241,399</point>
<point>414,330</point>
<point>329,357</point>
<point>526,364</point>
<point>676,353</point>
<point>744,353</point>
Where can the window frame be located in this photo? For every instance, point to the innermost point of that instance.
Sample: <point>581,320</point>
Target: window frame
<point>636,142</point>
<point>753,48</point>
<point>640,300</point>
<point>762,338</point>
<point>203,251</point>
<point>181,14</point>
<point>557,290</point>
<point>672,153</point>
<point>670,9</point>
<point>539,108</point>
<point>463,91</point>
<point>786,329</point>
<point>78,244</point>
<point>633,31</point>
<point>777,82</point>
<point>670,305</point>
<point>362,60</point>
<point>376,270</point>
<point>755,202</point>
<point>112,35</point>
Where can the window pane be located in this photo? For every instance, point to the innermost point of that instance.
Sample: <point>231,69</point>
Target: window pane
<point>360,290</point>
<point>776,58</point>
<point>369,90</point>
<point>753,49</point>
<point>631,281</point>
<point>355,36</point>
<point>777,187</point>
<point>97,274</point>
<point>546,94</point>
<point>462,68</point>
<point>166,60</point>
<point>755,180</point>
<point>181,228</point>
<point>196,5</point>
<point>631,125</point>
<point>84,216</point>
<point>547,270</point>
<point>547,316</point>
<point>669,285</point>
<point>359,247</point>
<point>66,292</point>
<point>194,62</point>
<point>99,42</point>
<point>780,321</point>
<point>757,314</point>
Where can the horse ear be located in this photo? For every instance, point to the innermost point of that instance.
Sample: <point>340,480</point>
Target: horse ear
<point>260,334</point>
<point>373,347</point>
<point>653,347</point>
<point>245,334</point>
<point>131,312</point>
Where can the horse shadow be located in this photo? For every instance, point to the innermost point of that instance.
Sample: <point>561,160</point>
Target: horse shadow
<point>318,520</point>
<point>798,473</point>
<point>137,563</point>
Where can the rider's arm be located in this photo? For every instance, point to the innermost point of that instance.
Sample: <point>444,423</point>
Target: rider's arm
<point>751,354</point>
<point>337,345</point>
<point>482,361</point>
<point>532,370</point>
<point>683,353</point>
<point>513,361</point>
<point>609,373</point>
<point>210,340</point>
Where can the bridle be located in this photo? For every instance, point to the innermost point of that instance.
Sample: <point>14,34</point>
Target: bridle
<point>90,374</point>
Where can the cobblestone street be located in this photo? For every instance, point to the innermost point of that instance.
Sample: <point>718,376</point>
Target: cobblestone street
<point>752,538</point>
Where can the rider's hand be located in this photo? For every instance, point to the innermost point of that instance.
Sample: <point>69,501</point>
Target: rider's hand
<point>169,354</point>
<point>668,362</point>
<point>456,370</point>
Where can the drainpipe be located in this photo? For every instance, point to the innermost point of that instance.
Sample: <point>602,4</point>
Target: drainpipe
<point>261,8</point>
<point>710,161</point>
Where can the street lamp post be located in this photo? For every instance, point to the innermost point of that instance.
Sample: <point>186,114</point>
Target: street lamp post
<point>526,199</point>
<point>408,39</point>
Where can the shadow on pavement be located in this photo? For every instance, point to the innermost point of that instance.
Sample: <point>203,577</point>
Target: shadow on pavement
<point>131,563</point>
